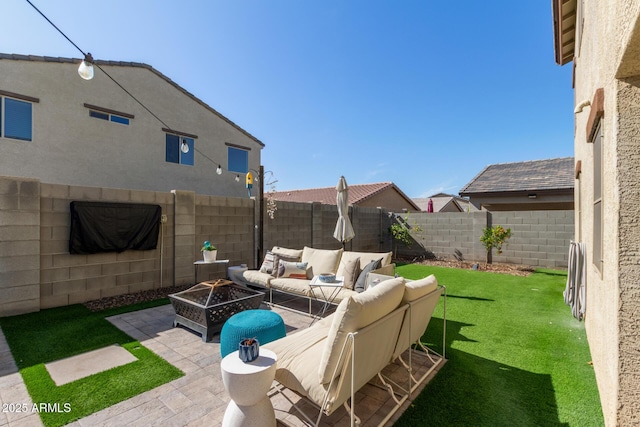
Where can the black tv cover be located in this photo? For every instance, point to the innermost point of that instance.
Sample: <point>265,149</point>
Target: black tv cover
<point>113,227</point>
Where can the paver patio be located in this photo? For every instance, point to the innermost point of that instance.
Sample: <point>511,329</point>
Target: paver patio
<point>198,398</point>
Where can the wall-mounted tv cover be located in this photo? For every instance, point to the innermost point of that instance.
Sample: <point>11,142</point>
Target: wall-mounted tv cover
<point>113,227</point>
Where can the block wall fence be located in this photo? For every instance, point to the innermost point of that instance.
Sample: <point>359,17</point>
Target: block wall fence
<point>37,271</point>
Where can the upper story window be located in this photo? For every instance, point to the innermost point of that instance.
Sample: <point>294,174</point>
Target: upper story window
<point>108,114</point>
<point>16,116</point>
<point>238,158</point>
<point>180,148</point>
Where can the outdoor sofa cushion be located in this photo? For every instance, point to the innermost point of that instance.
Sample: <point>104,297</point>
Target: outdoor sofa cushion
<point>321,260</point>
<point>364,258</point>
<point>291,254</point>
<point>256,277</point>
<point>356,312</point>
<point>415,289</point>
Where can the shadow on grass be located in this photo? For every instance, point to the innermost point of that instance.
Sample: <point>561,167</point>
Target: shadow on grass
<point>470,298</point>
<point>550,272</point>
<point>474,391</point>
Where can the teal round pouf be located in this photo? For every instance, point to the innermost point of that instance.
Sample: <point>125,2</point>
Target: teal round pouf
<point>264,325</point>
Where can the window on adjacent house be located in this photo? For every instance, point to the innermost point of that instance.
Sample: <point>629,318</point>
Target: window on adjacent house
<point>175,152</point>
<point>597,199</point>
<point>109,117</point>
<point>108,114</point>
<point>238,160</point>
<point>16,119</point>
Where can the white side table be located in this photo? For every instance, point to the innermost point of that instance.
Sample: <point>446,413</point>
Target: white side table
<point>248,385</point>
<point>218,261</point>
<point>328,297</point>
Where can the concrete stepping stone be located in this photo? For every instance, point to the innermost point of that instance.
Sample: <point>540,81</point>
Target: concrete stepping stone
<point>82,365</point>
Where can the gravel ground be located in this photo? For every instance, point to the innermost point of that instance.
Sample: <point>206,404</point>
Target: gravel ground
<point>513,269</point>
<point>128,299</point>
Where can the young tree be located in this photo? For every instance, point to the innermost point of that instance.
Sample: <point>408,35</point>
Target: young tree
<point>494,237</point>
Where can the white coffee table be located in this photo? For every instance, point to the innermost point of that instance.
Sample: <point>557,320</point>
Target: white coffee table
<point>248,385</point>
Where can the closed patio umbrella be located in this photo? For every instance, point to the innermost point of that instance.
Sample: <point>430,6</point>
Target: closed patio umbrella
<point>430,206</point>
<point>344,230</point>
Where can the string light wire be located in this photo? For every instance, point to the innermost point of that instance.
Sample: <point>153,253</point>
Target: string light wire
<point>114,80</point>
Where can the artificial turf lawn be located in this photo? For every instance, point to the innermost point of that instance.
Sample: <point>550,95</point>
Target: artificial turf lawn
<point>53,334</point>
<point>516,356</point>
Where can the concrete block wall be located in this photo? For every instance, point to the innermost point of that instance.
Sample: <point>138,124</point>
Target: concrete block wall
<point>539,238</point>
<point>445,235</point>
<point>69,279</point>
<point>312,224</point>
<point>228,223</point>
<point>290,228</point>
<point>19,245</point>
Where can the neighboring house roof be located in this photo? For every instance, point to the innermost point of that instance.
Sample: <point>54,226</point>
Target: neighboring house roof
<point>16,57</point>
<point>535,175</point>
<point>443,202</point>
<point>358,193</point>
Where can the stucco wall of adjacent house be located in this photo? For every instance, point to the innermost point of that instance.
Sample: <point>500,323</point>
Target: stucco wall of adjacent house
<point>71,148</point>
<point>613,293</point>
<point>389,199</point>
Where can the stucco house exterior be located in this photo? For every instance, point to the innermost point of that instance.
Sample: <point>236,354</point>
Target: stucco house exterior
<point>523,186</point>
<point>443,202</point>
<point>61,129</point>
<point>600,39</point>
<point>382,194</point>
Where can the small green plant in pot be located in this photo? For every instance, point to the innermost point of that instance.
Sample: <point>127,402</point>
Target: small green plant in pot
<point>494,237</point>
<point>209,251</point>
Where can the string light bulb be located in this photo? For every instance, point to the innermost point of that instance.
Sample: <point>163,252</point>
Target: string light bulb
<point>237,178</point>
<point>85,70</point>
<point>219,170</point>
<point>184,147</point>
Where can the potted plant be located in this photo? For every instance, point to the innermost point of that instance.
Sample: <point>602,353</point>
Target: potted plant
<point>209,251</point>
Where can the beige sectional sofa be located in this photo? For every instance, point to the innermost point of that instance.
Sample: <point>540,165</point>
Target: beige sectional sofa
<point>318,261</point>
<point>329,361</point>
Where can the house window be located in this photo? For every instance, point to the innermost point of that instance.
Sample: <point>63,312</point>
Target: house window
<point>597,198</point>
<point>238,160</point>
<point>109,117</point>
<point>108,114</point>
<point>179,149</point>
<point>16,119</point>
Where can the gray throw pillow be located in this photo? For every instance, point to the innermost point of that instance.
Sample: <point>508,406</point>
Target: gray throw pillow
<point>362,278</point>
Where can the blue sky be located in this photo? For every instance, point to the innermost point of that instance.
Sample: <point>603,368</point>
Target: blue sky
<point>424,94</point>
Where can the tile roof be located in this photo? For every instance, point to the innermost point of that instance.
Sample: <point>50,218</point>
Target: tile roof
<point>441,200</point>
<point>533,175</point>
<point>357,194</point>
<point>16,57</point>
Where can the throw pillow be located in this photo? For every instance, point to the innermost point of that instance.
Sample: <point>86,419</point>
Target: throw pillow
<point>269,264</point>
<point>294,270</point>
<point>351,272</point>
<point>360,283</point>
